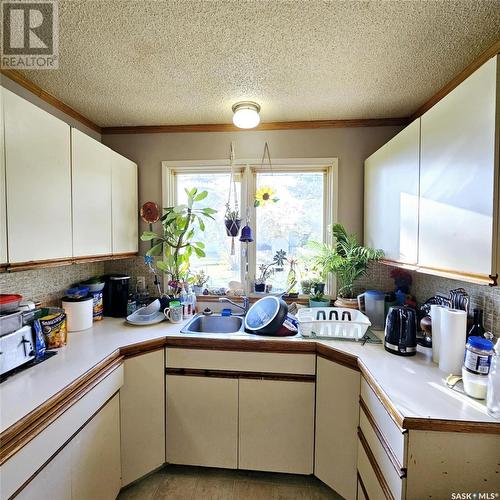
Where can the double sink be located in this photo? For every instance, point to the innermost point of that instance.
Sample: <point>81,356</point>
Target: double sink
<point>215,323</point>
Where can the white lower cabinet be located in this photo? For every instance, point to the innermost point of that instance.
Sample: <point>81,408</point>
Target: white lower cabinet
<point>337,396</point>
<point>88,467</point>
<point>53,481</point>
<point>95,461</point>
<point>142,415</point>
<point>202,421</point>
<point>276,425</point>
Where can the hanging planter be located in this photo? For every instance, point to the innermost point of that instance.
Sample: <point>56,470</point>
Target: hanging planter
<point>232,226</point>
<point>232,219</point>
<point>265,194</point>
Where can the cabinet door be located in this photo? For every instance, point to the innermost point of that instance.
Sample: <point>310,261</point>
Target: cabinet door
<point>91,188</point>
<point>124,204</point>
<point>3,201</point>
<point>337,417</point>
<point>391,196</point>
<point>95,462</point>
<point>202,421</point>
<point>457,177</point>
<point>142,413</point>
<point>38,182</point>
<point>53,481</point>
<point>276,426</point>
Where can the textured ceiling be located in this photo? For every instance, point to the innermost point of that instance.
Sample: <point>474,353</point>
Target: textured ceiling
<point>149,62</point>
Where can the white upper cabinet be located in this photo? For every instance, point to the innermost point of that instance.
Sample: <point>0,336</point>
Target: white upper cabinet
<point>91,169</point>
<point>458,175</point>
<point>124,204</point>
<point>38,182</point>
<point>391,196</point>
<point>3,201</point>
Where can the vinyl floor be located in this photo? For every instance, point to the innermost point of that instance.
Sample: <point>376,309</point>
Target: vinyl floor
<point>174,482</point>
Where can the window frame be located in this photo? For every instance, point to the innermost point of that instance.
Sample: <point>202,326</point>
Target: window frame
<point>248,169</point>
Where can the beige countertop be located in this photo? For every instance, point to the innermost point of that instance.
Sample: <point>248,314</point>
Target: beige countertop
<point>414,386</point>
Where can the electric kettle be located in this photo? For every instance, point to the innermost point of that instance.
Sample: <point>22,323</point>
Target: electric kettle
<point>401,331</point>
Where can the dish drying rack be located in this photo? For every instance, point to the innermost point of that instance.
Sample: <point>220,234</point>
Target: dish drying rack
<point>332,322</point>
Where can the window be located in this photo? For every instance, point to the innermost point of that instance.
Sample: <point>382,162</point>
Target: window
<point>307,206</point>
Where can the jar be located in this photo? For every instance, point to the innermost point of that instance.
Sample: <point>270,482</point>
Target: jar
<point>477,361</point>
<point>493,393</point>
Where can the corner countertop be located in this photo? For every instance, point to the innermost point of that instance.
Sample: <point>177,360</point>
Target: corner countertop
<point>413,386</point>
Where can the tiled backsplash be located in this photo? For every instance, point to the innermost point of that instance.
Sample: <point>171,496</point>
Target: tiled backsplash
<point>47,285</point>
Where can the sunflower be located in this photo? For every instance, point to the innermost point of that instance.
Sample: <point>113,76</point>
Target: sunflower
<point>265,195</point>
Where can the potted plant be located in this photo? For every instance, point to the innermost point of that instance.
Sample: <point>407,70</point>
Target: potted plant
<point>318,299</point>
<point>176,244</point>
<point>347,259</point>
<point>267,270</point>
<point>199,280</point>
<point>232,221</point>
<point>306,286</point>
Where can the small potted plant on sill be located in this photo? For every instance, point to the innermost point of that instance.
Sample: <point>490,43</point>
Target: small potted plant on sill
<point>347,259</point>
<point>199,280</point>
<point>265,272</point>
<point>318,299</point>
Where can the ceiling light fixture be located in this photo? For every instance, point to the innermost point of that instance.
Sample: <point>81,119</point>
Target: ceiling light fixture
<point>246,114</point>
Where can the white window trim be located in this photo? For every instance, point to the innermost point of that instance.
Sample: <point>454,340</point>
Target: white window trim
<point>247,168</point>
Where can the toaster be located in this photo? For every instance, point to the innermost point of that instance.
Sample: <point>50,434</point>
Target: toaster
<point>16,349</point>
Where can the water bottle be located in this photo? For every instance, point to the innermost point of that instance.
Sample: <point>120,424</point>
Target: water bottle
<point>493,391</point>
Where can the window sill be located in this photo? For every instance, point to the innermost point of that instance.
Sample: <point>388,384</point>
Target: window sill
<point>302,299</point>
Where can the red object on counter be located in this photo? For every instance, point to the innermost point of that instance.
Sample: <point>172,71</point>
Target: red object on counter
<point>9,302</point>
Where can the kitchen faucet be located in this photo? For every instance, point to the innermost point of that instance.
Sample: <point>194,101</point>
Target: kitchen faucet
<point>245,303</point>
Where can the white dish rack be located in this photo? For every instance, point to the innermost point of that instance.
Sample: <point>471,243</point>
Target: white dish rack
<point>332,322</point>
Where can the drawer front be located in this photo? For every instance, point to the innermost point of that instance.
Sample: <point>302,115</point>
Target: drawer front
<point>368,477</point>
<point>393,434</point>
<point>390,471</point>
<point>263,362</point>
<point>29,459</point>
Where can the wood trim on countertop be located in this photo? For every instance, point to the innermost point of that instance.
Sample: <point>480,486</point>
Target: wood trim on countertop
<point>21,433</point>
<point>60,448</point>
<point>376,469</point>
<point>200,372</point>
<point>20,79</point>
<point>463,75</point>
<point>229,127</point>
<point>401,471</point>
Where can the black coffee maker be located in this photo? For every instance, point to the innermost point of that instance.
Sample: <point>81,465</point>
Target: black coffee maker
<point>115,295</point>
<point>401,331</point>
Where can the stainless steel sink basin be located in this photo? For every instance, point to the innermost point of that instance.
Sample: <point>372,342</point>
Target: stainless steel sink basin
<point>214,324</point>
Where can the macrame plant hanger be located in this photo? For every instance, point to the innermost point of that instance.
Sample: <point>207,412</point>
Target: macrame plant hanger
<point>232,218</point>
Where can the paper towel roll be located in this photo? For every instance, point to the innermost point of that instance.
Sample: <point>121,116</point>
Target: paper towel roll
<point>453,330</point>
<point>436,312</point>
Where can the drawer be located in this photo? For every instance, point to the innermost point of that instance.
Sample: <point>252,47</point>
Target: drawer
<point>247,361</point>
<point>390,469</point>
<point>368,477</point>
<point>394,436</point>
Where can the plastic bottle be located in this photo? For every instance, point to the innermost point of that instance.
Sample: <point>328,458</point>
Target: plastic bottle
<point>493,392</point>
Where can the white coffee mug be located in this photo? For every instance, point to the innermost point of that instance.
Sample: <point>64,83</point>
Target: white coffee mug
<point>173,314</point>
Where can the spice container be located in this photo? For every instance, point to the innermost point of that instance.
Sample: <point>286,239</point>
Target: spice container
<point>477,361</point>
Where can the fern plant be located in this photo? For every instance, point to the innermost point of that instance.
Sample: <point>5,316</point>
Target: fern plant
<point>345,258</point>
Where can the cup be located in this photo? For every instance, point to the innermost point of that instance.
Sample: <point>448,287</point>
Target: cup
<point>173,314</point>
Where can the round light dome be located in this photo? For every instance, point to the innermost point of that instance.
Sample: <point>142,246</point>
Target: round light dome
<point>246,114</point>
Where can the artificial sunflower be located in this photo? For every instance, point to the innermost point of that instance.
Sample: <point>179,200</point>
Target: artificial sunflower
<point>265,195</point>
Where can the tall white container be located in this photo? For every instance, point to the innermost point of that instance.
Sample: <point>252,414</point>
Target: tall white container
<point>79,313</point>
<point>436,313</point>
<point>453,330</point>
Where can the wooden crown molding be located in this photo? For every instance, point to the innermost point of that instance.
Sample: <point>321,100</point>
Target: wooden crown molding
<point>227,127</point>
<point>487,54</point>
<point>20,79</point>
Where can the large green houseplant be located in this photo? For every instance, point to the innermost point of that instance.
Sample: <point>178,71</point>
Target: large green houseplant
<point>176,243</point>
<point>345,258</point>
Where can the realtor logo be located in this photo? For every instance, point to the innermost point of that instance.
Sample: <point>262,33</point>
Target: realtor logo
<point>29,34</point>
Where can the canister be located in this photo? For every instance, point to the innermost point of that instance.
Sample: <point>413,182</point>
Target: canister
<point>79,313</point>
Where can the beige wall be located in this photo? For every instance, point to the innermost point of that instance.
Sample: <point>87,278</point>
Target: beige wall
<point>350,145</point>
